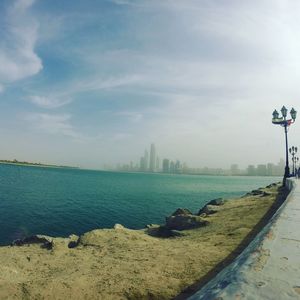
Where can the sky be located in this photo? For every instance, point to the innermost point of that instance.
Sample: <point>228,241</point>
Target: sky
<point>88,83</point>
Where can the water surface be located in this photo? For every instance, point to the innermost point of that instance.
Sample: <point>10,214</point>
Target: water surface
<point>58,202</point>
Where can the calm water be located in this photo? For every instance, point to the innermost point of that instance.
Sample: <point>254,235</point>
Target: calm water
<point>59,202</point>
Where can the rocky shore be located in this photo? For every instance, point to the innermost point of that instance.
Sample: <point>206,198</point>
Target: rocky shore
<point>159,262</point>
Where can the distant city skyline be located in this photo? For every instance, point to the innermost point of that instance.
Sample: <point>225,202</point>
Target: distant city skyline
<point>177,167</point>
<point>88,83</point>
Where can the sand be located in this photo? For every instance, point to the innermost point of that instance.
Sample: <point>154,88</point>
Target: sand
<point>130,264</point>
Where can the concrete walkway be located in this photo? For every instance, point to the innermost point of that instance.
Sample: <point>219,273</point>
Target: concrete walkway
<point>269,268</point>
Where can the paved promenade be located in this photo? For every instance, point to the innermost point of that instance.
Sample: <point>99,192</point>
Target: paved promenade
<point>270,267</point>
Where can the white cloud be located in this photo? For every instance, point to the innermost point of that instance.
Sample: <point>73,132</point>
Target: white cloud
<point>95,84</point>
<point>56,124</point>
<point>49,102</point>
<point>66,94</point>
<point>17,55</point>
<point>133,116</point>
<point>59,125</point>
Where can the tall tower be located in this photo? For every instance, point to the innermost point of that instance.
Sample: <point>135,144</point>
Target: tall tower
<point>146,161</point>
<point>152,158</point>
<point>166,165</point>
<point>157,166</point>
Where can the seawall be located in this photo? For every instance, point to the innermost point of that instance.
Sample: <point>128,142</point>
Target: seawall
<point>269,268</point>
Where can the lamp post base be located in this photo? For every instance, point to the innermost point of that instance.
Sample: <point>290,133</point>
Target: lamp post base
<point>286,174</point>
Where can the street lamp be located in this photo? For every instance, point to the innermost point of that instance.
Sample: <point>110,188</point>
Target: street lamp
<point>293,150</point>
<point>284,122</point>
<point>296,160</point>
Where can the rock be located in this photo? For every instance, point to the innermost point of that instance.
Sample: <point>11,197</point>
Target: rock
<point>203,215</point>
<point>182,222</point>
<point>47,245</point>
<point>264,194</point>
<point>211,207</point>
<point>218,201</point>
<point>209,210</point>
<point>183,219</point>
<point>17,242</point>
<point>73,241</point>
<point>164,232</point>
<point>45,241</point>
<point>256,192</point>
<point>271,185</point>
<point>151,226</point>
<point>246,195</point>
<point>181,211</point>
<point>119,226</point>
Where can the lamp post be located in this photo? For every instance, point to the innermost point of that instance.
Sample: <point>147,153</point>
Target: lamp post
<point>284,122</point>
<point>296,160</point>
<point>293,150</point>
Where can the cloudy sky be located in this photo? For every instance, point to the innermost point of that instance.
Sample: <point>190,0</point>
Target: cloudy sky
<point>93,82</point>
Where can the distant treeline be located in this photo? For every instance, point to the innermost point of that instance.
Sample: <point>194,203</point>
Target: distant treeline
<point>15,161</point>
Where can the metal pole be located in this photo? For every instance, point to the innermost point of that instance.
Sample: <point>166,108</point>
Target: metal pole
<point>287,169</point>
<point>293,164</point>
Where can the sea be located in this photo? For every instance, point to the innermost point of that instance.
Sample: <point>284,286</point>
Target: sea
<point>64,201</point>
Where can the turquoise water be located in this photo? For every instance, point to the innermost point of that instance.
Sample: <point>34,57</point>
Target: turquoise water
<point>59,202</point>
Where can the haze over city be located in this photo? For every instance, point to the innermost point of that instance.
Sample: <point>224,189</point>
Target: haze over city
<point>92,83</point>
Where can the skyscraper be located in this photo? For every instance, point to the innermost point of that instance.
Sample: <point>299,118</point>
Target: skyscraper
<point>157,165</point>
<point>152,158</point>
<point>142,164</point>
<point>166,165</point>
<point>146,161</point>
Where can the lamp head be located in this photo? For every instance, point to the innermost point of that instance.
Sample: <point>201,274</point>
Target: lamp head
<point>284,111</point>
<point>275,114</point>
<point>293,114</point>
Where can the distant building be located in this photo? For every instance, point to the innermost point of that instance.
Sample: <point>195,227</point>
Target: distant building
<point>172,167</point>
<point>251,170</point>
<point>152,158</point>
<point>166,165</point>
<point>146,161</point>
<point>185,168</point>
<point>261,170</point>
<point>157,165</point>
<point>142,164</point>
<point>177,167</point>
<point>271,169</point>
<point>234,169</point>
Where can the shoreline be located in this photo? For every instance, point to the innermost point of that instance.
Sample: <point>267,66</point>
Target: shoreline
<point>137,265</point>
<point>36,165</point>
<point>129,172</point>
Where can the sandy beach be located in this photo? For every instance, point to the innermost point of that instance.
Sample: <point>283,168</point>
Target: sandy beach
<point>132,264</point>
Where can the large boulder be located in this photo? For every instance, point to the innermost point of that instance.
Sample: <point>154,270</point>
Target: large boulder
<point>184,221</point>
<point>217,201</point>
<point>257,192</point>
<point>119,226</point>
<point>73,241</point>
<point>211,207</point>
<point>181,211</point>
<point>163,232</point>
<point>209,210</point>
<point>45,241</point>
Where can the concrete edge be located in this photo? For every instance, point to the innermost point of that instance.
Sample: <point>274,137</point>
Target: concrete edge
<point>232,272</point>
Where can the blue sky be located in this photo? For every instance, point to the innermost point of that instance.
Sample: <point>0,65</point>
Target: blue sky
<point>95,82</point>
